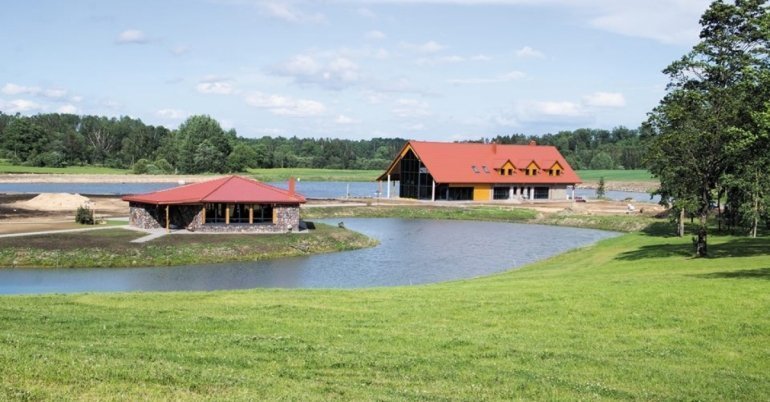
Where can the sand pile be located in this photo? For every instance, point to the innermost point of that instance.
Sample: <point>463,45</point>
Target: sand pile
<point>54,202</point>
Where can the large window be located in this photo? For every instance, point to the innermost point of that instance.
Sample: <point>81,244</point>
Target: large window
<point>239,213</point>
<point>415,180</point>
<point>263,213</point>
<point>215,213</point>
<point>541,193</point>
<point>501,193</point>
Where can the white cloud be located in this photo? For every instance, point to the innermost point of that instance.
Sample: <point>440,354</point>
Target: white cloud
<point>286,106</point>
<point>550,108</point>
<point>510,76</point>
<point>134,36</point>
<point>529,53</point>
<point>331,70</point>
<point>171,114</point>
<point>215,85</point>
<point>345,120</point>
<point>375,35</point>
<point>14,89</point>
<point>605,99</point>
<point>480,57</point>
<point>19,106</point>
<point>409,108</point>
<point>665,21</point>
<point>427,47</point>
<point>55,93</point>
<point>67,109</point>
<point>286,11</point>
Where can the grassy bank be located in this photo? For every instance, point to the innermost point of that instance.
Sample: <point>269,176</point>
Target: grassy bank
<point>314,174</point>
<point>617,175</point>
<point>618,223</point>
<point>112,248</point>
<point>6,167</point>
<point>633,317</point>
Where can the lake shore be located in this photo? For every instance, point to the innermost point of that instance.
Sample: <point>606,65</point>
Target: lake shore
<point>614,185</point>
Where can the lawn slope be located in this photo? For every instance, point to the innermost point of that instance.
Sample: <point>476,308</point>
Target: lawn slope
<point>634,317</point>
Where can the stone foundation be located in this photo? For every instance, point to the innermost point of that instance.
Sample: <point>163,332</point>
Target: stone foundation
<point>190,217</point>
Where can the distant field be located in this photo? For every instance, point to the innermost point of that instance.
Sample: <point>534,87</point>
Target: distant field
<point>6,167</point>
<point>616,175</point>
<point>314,174</point>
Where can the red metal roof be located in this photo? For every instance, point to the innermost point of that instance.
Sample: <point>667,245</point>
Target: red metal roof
<point>450,162</point>
<point>230,189</point>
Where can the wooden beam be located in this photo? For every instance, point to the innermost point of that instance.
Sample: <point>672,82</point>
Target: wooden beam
<point>227,214</point>
<point>251,214</point>
<point>203,214</point>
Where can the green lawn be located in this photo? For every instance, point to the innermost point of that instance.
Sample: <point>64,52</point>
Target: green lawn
<point>634,317</point>
<point>616,175</point>
<point>314,174</point>
<point>6,167</point>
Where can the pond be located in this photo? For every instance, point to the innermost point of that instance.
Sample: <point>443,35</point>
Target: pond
<point>410,252</point>
<point>310,189</point>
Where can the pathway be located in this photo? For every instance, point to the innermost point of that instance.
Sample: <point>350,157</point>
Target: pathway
<point>45,232</point>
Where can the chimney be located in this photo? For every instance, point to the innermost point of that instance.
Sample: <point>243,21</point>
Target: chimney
<point>533,143</point>
<point>494,147</point>
<point>292,185</point>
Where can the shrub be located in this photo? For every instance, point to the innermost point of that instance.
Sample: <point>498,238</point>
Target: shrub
<point>84,216</point>
<point>142,166</point>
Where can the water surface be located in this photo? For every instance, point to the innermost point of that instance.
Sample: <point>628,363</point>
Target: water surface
<point>410,252</point>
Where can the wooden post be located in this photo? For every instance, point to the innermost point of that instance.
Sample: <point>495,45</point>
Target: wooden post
<point>227,214</point>
<point>203,214</point>
<point>168,226</point>
<point>251,214</point>
<point>388,190</point>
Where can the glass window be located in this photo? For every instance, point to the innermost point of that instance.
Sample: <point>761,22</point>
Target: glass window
<point>501,193</point>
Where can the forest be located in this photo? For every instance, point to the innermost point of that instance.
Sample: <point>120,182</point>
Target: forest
<point>200,145</point>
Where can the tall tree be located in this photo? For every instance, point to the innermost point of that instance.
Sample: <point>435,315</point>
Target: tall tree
<point>711,94</point>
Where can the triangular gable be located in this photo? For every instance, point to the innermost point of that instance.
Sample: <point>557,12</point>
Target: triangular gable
<point>397,161</point>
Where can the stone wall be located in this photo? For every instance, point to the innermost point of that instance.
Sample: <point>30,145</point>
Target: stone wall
<point>287,216</point>
<point>559,193</point>
<point>144,216</point>
<point>190,217</point>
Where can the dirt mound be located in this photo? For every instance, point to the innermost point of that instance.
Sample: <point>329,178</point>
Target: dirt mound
<point>54,202</point>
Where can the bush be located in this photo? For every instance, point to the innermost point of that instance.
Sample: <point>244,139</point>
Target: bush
<point>163,166</point>
<point>142,166</point>
<point>84,216</point>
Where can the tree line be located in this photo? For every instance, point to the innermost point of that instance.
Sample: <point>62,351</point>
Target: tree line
<point>200,144</point>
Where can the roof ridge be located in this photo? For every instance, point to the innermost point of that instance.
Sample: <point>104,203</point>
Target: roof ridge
<point>217,187</point>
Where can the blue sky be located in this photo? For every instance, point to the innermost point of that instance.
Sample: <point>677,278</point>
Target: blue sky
<point>420,69</point>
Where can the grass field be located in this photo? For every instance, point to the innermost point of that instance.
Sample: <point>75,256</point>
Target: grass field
<point>112,248</point>
<point>616,175</point>
<point>6,167</point>
<point>314,174</point>
<point>633,317</point>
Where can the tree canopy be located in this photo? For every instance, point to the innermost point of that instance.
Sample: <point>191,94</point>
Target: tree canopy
<point>710,133</point>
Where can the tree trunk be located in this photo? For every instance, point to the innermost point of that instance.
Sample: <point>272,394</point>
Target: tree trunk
<point>680,224</point>
<point>756,217</point>
<point>701,246</point>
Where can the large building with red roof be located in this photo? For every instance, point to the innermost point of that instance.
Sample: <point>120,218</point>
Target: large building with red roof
<point>480,172</point>
<point>226,204</point>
